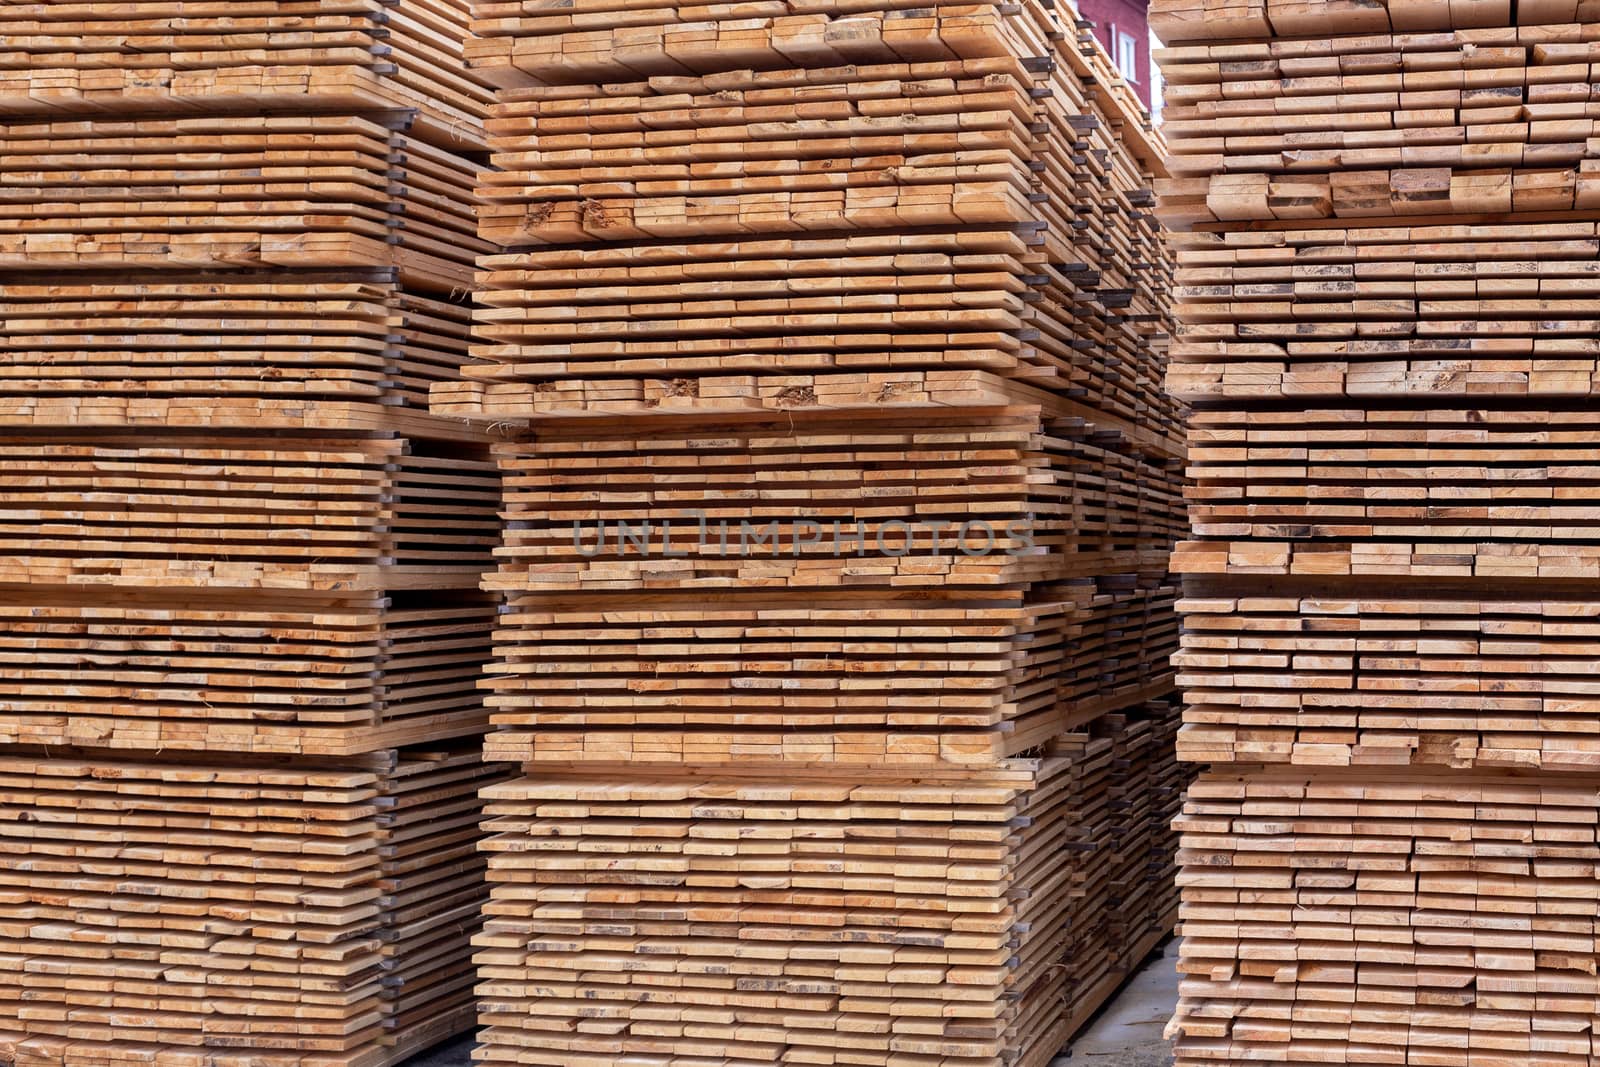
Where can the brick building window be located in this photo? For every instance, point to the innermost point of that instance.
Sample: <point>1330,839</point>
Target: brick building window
<point>1127,55</point>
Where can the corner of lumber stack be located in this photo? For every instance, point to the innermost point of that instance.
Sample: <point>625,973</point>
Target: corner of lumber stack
<point>240,624</point>
<point>836,606</point>
<point>1385,223</point>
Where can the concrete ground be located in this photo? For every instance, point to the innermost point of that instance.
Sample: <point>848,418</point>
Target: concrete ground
<point>457,1053</point>
<point>1126,1033</point>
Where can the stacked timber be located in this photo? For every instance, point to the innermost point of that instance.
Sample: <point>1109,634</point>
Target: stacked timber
<point>242,634</point>
<point>243,57</point>
<point>836,608</point>
<point>1386,264</point>
<point>898,235</point>
<point>432,875</point>
<point>1366,918</point>
<point>169,912</point>
<point>191,272</point>
<point>946,918</point>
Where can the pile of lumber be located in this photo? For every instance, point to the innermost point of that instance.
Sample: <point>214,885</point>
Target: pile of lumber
<point>836,607</point>
<point>431,871</point>
<point>132,510</point>
<point>971,500</point>
<point>240,724</point>
<point>953,678</point>
<point>180,347</point>
<point>196,271</point>
<point>319,190</point>
<point>245,57</point>
<point>215,673</point>
<point>898,235</point>
<point>161,912</point>
<point>1387,254</point>
<point>951,918</point>
<point>1359,919</point>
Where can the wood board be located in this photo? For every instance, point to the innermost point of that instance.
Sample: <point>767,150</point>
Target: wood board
<point>1177,21</point>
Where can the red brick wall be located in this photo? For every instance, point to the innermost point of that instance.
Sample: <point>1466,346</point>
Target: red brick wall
<point>1123,16</point>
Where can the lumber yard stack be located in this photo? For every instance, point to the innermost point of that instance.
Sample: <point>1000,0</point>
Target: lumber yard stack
<point>240,628</point>
<point>1387,252</point>
<point>836,608</point>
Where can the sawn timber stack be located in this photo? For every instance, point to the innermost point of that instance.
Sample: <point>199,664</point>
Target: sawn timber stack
<point>836,610</point>
<point>240,634</point>
<point>1386,250</point>
<point>963,918</point>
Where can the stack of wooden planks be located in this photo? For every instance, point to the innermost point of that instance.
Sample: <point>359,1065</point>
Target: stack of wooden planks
<point>244,57</point>
<point>171,912</point>
<point>242,630</point>
<point>211,672</point>
<point>186,272</point>
<point>971,918</point>
<point>1386,252</point>
<point>1362,919</point>
<point>432,876</point>
<point>836,607</point>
